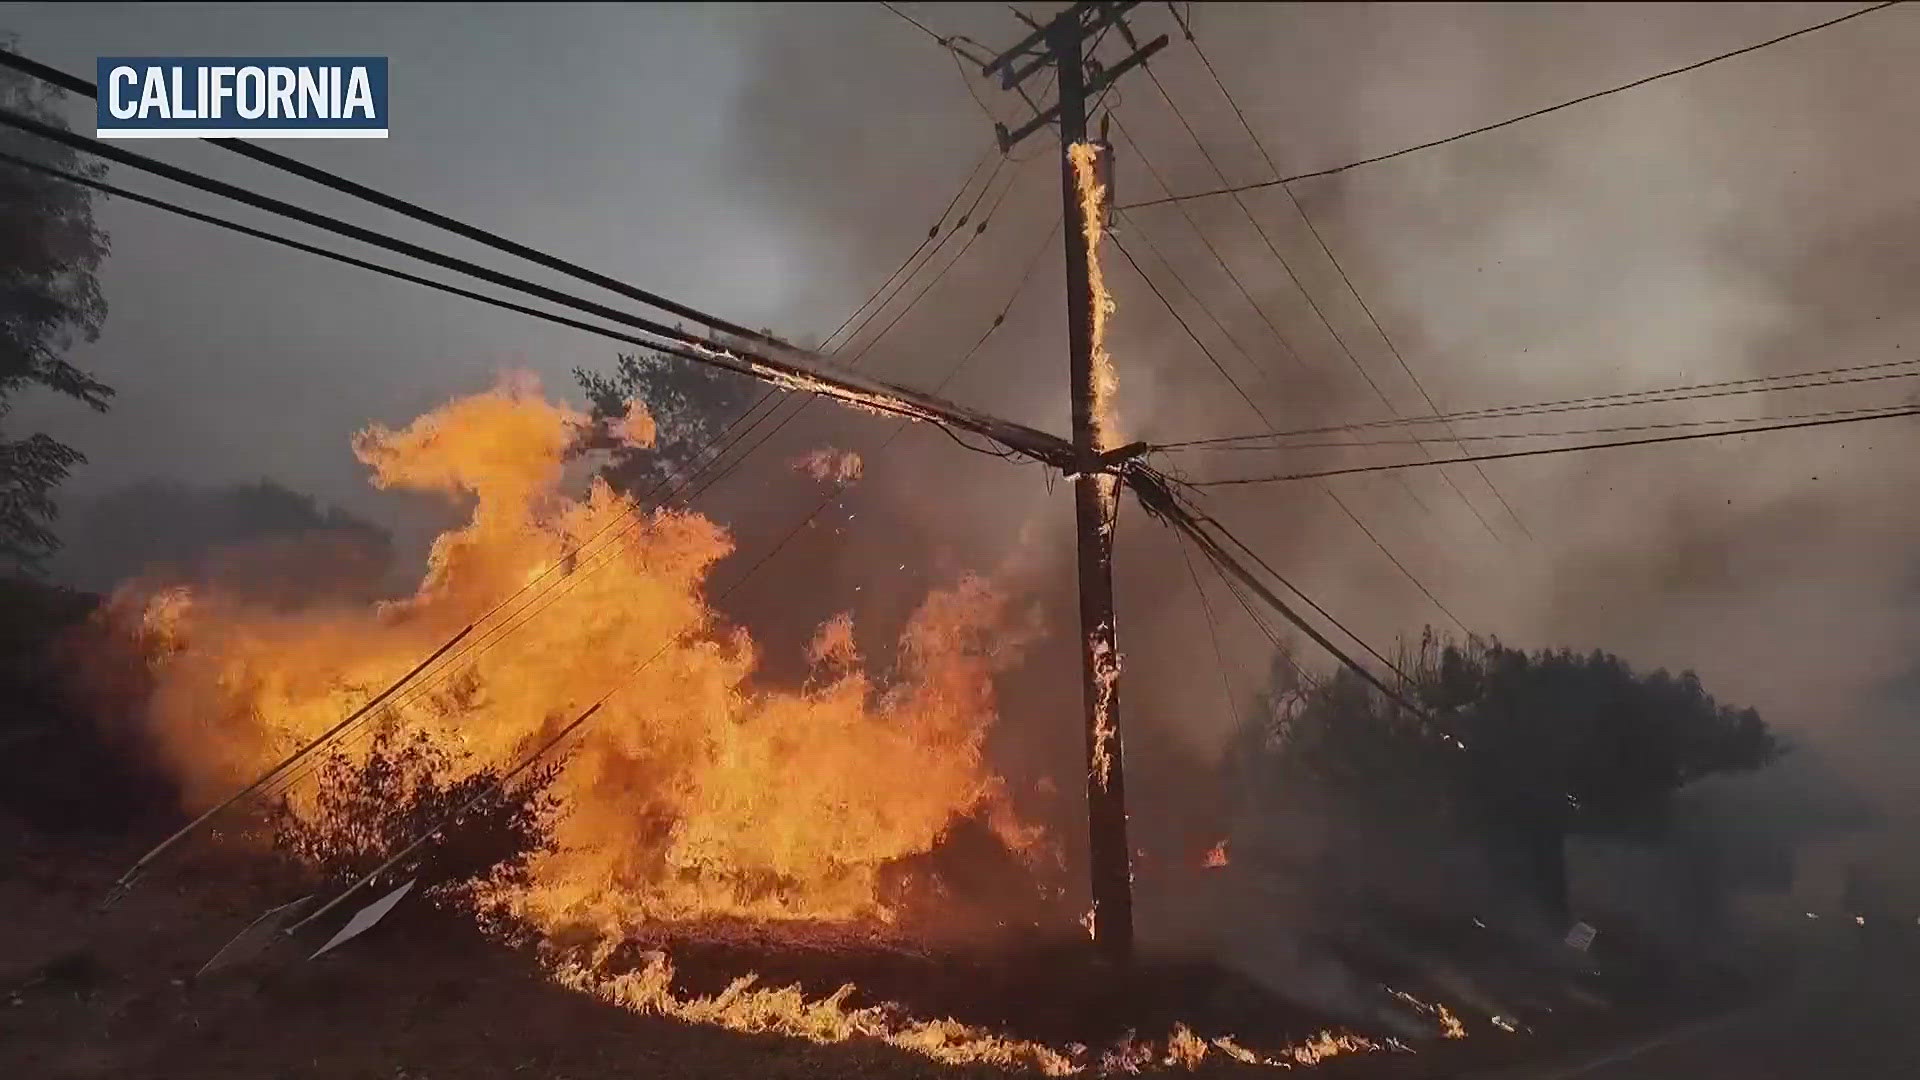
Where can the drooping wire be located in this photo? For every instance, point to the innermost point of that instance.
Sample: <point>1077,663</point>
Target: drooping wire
<point>1543,451</point>
<point>1562,433</point>
<point>1274,169</point>
<point>1663,396</point>
<point>1667,74</point>
<point>1325,489</point>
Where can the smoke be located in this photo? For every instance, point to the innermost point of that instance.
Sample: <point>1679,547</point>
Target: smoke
<point>1741,220</point>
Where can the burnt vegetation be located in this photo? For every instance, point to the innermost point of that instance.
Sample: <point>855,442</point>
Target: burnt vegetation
<point>366,809</point>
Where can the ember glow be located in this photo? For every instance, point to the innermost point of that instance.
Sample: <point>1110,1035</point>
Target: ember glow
<point>695,793</point>
<point>1217,855</point>
<point>828,464</point>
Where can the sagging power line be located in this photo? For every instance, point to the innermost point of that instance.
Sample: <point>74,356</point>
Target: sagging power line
<point>1273,169</point>
<point>785,367</point>
<point>1545,450</point>
<point>798,371</point>
<point>1758,384</point>
<point>1667,74</point>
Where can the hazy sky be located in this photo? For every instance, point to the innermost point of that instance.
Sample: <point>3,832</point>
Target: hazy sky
<point>773,163</point>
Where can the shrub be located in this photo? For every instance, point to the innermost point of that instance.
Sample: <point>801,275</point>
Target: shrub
<point>369,808</point>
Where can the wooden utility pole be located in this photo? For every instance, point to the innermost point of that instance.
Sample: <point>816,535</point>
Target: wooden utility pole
<point>1095,485</point>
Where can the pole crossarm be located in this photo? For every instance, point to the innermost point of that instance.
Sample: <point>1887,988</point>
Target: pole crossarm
<point>1037,51</point>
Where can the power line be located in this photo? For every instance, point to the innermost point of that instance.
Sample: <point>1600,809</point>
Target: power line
<point>781,370</point>
<point>1218,258</point>
<point>978,230</point>
<point>686,494</point>
<point>1159,500</point>
<point>1281,649</point>
<point>499,631</point>
<point>1274,169</point>
<point>932,235</point>
<point>801,406</point>
<point>1298,285</point>
<point>412,210</point>
<point>1325,489</point>
<point>1171,198</point>
<point>918,25</point>
<point>1259,369</point>
<point>1540,451</point>
<point>1564,433</point>
<point>1663,396</point>
<point>578,722</point>
<point>953,230</point>
<point>1213,630</point>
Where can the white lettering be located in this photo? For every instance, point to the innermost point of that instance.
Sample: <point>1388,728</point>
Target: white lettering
<point>280,83</point>
<point>359,94</point>
<point>222,90</point>
<point>153,96</point>
<point>230,95</point>
<point>114,104</point>
<point>252,103</point>
<point>312,93</point>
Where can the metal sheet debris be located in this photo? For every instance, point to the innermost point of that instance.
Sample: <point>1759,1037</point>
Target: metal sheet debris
<point>252,941</point>
<point>364,919</point>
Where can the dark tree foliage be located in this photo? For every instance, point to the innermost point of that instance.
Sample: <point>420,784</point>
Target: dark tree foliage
<point>690,403</point>
<point>1521,749</point>
<point>261,540</point>
<point>49,299</point>
<point>371,809</point>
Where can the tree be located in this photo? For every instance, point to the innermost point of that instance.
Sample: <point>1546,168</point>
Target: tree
<point>261,540</point>
<point>49,250</point>
<point>1518,749</point>
<point>690,404</point>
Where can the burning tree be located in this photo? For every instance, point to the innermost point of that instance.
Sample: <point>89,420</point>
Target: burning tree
<point>688,402</point>
<point>1517,751</point>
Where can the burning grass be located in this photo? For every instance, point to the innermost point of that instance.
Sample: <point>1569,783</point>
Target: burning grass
<point>648,988</point>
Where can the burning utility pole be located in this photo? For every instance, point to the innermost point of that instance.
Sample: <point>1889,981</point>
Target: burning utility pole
<point>1086,184</point>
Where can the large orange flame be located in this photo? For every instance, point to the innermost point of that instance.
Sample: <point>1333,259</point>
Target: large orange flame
<point>695,792</point>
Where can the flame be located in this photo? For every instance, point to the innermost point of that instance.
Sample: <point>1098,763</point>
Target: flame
<point>1330,1044</point>
<point>829,464</point>
<point>1450,1025</point>
<point>695,793</point>
<point>745,1006</point>
<point>1105,436</point>
<point>1092,214</point>
<point>635,427</point>
<point>1217,855</point>
<point>742,1006</point>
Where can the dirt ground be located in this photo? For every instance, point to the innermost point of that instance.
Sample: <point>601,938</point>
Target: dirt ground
<point>86,993</point>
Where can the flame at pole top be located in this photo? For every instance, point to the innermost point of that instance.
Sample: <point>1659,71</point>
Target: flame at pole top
<point>1093,196</point>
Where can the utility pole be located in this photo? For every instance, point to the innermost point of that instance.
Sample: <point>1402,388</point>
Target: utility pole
<point>1095,484</point>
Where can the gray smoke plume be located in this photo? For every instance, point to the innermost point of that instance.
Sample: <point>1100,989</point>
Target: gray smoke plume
<point>1746,219</point>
